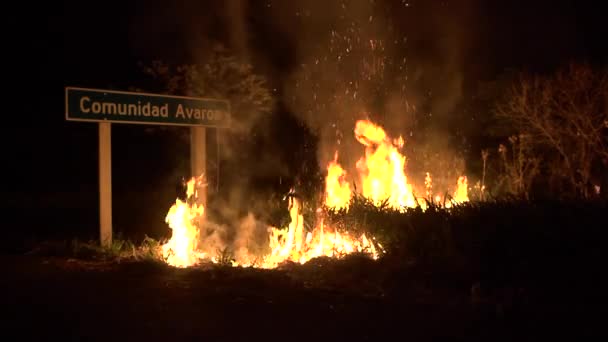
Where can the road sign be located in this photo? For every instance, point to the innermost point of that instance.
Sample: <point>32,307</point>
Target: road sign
<point>99,105</point>
<point>110,106</point>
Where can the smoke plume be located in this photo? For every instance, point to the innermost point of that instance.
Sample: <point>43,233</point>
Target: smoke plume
<point>399,63</point>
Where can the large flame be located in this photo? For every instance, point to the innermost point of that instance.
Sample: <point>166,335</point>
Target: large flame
<point>337,189</point>
<point>461,193</point>
<point>182,249</point>
<point>382,175</point>
<point>297,245</point>
<point>293,244</point>
<point>383,180</point>
<point>382,170</point>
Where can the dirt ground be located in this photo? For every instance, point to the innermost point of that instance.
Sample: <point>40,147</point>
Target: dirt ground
<point>75,300</point>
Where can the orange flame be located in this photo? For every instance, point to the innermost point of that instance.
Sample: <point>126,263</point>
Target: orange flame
<point>461,193</point>
<point>428,184</point>
<point>297,246</point>
<point>382,174</point>
<point>182,249</point>
<point>337,189</point>
<point>382,170</point>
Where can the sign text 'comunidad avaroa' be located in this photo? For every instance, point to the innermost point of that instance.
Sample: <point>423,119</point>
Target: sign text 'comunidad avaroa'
<point>131,107</point>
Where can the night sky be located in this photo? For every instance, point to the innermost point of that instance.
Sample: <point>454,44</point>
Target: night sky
<point>98,45</point>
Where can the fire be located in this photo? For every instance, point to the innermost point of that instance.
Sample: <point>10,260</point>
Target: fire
<point>382,176</point>
<point>295,245</point>
<point>292,244</point>
<point>182,249</point>
<point>461,193</point>
<point>428,184</point>
<point>337,190</point>
<point>382,169</point>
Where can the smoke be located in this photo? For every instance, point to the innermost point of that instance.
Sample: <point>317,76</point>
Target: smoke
<point>236,15</point>
<point>230,225</point>
<point>399,63</point>
<point>244,239</point>
<point>251,239</point>
<point>213,238</point>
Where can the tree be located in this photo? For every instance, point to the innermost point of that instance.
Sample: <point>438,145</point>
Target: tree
<point>223,75</point>
<point>517,167</point>
<point>564,116</point>
<point>220,75</point>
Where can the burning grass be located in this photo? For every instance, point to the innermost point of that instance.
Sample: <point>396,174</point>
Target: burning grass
<point>291,244</point>
<point>479,265</point>
<point>384,184</point>
<point>489,250</point>
<point>379,223</point>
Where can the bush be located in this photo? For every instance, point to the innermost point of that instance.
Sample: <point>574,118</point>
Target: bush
<point>495,240</point>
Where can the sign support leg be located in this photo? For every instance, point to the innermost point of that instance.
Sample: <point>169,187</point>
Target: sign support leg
<point>198,159</point>
<point>105,184</point>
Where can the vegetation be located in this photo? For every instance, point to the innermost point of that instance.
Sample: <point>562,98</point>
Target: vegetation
<point>494,239</point>
<point>120,250</point>
<point>221,75</point>
<point>559,134</point>
<point>495,244</point>
<point>556,146</point>
<point>535,224</point>
<point>234,151</point>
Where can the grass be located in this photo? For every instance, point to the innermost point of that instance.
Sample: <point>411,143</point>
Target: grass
<point>120,249</point>
<point>495,239</point>
<point>225,257</point>
<point>499,261</point>
<point>492,242</point>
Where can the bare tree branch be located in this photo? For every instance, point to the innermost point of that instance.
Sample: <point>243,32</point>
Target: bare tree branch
<point>565,113</point>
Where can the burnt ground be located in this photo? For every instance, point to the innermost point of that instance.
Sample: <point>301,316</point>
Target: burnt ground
<point>350,300</point>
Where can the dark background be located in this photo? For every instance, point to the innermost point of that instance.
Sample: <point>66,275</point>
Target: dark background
<point>51,165</point>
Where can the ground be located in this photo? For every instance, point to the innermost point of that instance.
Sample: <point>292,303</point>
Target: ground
<point>354,300</point>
